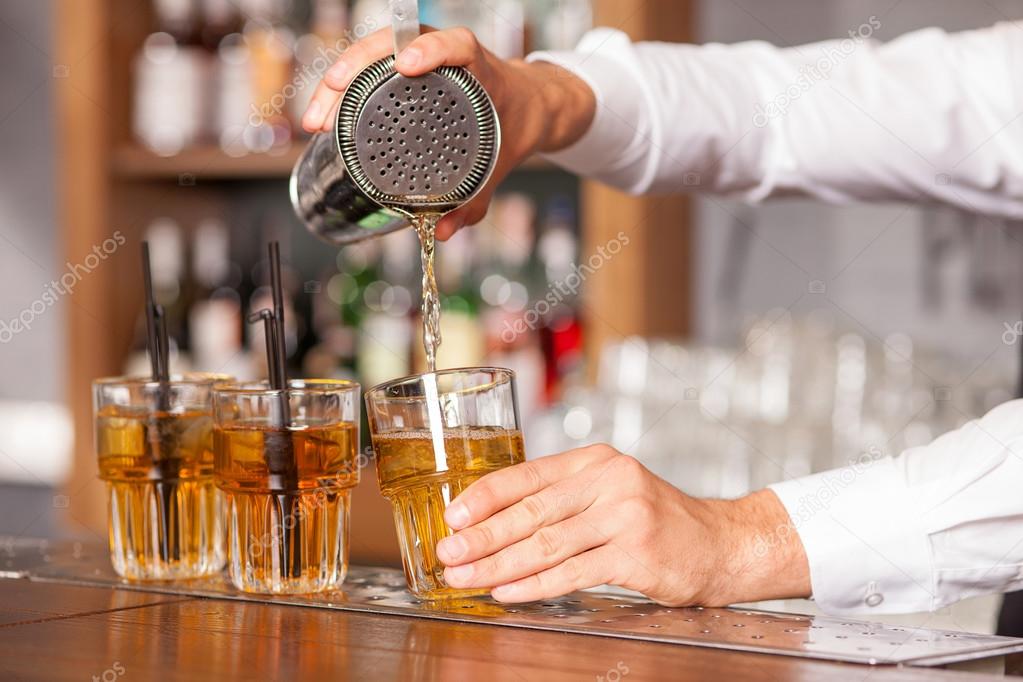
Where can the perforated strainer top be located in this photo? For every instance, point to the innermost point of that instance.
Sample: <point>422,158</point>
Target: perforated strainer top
<point>428,142</point>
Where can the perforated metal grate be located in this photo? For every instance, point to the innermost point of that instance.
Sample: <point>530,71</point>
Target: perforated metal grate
<point>376,590</point>
<point>413,143</point>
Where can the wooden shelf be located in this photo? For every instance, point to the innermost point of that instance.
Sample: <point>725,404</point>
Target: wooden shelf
<point>207,162</point>
<point>133,162</point>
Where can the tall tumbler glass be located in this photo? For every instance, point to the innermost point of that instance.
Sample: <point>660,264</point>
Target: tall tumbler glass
<point>288,481</point>
<point>434,435</point>
<point>154,444</point>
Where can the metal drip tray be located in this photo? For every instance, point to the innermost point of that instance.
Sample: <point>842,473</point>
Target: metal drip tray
<point>382,590</point>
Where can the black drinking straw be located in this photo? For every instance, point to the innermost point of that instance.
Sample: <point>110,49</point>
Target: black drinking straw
<point>156,329</point>
<point>277,287</point>
<point>162,440</point>
<point>278,451</point>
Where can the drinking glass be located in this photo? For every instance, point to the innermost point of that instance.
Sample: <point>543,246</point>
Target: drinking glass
<point>433,435</point>
<point>154,445</point>
<point>287,461</point>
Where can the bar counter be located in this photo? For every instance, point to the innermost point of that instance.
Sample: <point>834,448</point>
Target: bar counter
<point>66,632</point>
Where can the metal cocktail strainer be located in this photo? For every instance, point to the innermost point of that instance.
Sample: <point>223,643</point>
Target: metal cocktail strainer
<point>401,146</point>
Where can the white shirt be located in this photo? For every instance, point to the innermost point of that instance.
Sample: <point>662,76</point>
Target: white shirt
<point>930,116</point>
<point>917,532</point>
<point>927,117</point>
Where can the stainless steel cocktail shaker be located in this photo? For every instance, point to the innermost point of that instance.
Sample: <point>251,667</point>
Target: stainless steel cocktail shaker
<point>399,146</point>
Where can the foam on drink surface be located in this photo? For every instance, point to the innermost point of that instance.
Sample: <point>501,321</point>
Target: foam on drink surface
<point>406,455</point>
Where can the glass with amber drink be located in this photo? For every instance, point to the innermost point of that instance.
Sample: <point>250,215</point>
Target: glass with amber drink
<point>287,461</point>
<point>154,446</point>
<point>434,435</point>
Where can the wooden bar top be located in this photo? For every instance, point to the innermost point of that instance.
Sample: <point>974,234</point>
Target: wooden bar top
<point>63,632</point>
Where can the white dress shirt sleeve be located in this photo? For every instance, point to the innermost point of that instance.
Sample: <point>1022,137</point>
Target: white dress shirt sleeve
<point>917,532</point>
<point>930,116</point>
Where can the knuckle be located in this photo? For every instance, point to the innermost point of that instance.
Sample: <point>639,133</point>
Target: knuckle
<point>534,510</point>
<point>476,213</point>
<point>465,35</point>
<point>573,572</point>
<point>533,476</point>
<point>548,540</point>
<point>629,466</point>
<point>483,569</point>
<point>482,536</point>
<point>600,451</point>
<point>638,513</point>
<point>355,53</point>
<point>430,42</point>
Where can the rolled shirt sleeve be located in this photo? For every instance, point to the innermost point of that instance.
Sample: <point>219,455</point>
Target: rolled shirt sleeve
<point>917,532</point>
<point>930,116</point>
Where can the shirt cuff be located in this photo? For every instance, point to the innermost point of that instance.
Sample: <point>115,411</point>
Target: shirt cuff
<point>867,550</point>
<point>608,147</point>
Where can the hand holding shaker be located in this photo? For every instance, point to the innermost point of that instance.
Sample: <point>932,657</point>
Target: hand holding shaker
<point>434,435</point>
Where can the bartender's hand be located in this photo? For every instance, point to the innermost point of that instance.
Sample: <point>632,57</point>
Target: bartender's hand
<point>542,107</point>
<point>593,516</point>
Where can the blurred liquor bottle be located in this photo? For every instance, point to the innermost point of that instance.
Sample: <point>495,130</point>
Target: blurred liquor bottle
<point>500,25</point>
<point>215,318</point>
<point>316,50</point>
<point>357,269</point>
<point>386,332</point>
<point>560,24</point>
<point>170,290</point>
<point>271,45</point>
<point>463,343</point>
<point>178,19</point>
<point>332,351</point>
<point>561,333</point>
<point>511,321</point>
<point>170,75</point>
<point>262,299</point>
<point>238,125</point>
<point>219,19</point>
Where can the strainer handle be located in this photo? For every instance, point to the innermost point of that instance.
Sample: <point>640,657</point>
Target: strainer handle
<point>404,23</point>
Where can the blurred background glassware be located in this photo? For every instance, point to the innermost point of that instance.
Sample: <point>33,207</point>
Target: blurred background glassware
<point>288,488</point>
<point>154,444</point>
<point>434,435</point>
<point>795,394</point>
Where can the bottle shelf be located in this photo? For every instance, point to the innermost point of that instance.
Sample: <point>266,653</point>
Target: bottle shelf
<point>134,162</point>
<point>205,162</point>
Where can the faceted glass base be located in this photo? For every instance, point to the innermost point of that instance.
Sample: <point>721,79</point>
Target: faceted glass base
<point>288,543</point>
<point>166,530</point>
<point>419,520</point>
